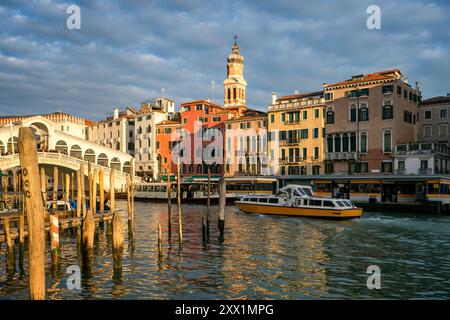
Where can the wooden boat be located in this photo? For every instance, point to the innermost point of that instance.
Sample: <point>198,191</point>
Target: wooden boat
<point>296,200</point>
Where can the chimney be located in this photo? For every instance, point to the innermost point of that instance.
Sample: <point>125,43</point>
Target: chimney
<point>116,113</point>
<point>274,97</point>
<point>448,95</point>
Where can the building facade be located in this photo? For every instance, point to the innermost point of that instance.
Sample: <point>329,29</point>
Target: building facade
<point>201,138</point>
<point>296,134</point>
<point>366,116</point>
<point>246,144</point>
<point>426,158</point>
<point>167,137</point>
<point>434,120</point>
<point>116,131</point>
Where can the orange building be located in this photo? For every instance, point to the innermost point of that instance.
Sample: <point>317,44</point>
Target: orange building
<point>202,137</point>
<point>167,133</point>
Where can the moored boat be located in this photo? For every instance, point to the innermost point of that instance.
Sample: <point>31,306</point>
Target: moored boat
<point>296,200</point>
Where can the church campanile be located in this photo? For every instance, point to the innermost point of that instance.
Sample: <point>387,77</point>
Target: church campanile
<point>235,84</point>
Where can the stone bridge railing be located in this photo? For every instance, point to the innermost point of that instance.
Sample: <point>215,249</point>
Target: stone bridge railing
<point>63,160</point>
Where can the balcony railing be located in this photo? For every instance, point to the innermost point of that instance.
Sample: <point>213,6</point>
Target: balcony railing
<point>340,156</point>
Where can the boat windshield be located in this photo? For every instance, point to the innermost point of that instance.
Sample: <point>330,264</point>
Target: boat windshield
<point>308,192</point>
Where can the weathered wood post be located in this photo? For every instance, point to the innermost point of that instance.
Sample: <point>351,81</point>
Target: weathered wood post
<point>72,186</point>
<point>9,242</point>
<point>208,207</point>
<point>90,184</point>
<point>44,189</point>
<point>79,193</point>
<point>22,229</point>
<point>54,239</point>
<point>169,202</point>
<point>128,198</point>
<point>131,214</point>
<point>112,196</point>
<point>55,188</point>
<point>180,223</point>
<point>94,191</point>
<point>67,191</point>
<point>88,232</point>
<point>35,212</point>
<point>222,204</point>
<point>83,191</point>
<point>101,179</point>
<point>159,242</point>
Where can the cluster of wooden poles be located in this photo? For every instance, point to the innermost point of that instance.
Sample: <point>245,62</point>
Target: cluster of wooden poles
<point>34,188</point>
<point>35,203</point>
<point>205,219</point>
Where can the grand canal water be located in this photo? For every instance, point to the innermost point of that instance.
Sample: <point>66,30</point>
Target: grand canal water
<point>261,257</point>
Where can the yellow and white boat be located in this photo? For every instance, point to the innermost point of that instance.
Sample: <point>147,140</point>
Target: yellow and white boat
<point>296,200</point>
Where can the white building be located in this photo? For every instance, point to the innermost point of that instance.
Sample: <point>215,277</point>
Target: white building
<point>425,158</point>
<point>116,131</point>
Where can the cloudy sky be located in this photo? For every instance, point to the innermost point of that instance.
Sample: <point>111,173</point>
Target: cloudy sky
<point>126,51</point>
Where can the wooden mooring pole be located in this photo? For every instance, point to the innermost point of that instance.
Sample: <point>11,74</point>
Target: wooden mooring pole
<point>54,239</point>
<point>169,202</point>
<point>79,205</point>
<point>44,189</point>
<point>55,188</point>
<point>222,204</point>
<point>159,242</point>
<point>101,179</point>
<point>180,223</point>
<point>83,192</point>
<point>35,212</point>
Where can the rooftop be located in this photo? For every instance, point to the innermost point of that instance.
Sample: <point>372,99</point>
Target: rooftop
<point>381,75</point>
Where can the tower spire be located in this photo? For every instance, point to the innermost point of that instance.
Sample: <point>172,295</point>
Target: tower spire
<point>235,84</point>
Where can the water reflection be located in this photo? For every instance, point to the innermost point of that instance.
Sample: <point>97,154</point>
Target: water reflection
<point>260,257</point>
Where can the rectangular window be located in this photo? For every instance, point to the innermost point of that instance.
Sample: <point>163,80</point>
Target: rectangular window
<point>272,118</point>
<point>399,90</point>
<point>443,113</point>
<point>304,134</point>
<point>305,153</point>
<point>329,96</point>
<point>443,130</point>
<point>316,153</point>
<point>401,165</point>
<point>316,113</point>
<point>184,120</point>
<point>386,167</point>
<point>427,115</point>
<point>305,115</point>
<point>427,131</point>
<point>387,89</point>
<point>316,133</point>
<point>283,117</point>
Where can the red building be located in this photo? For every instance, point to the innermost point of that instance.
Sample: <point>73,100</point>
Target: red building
<point>167,136</point>
<point>202,138</point>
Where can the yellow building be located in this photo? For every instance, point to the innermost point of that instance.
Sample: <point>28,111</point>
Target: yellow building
<point>296,134</point>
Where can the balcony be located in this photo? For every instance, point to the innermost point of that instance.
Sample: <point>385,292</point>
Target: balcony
<point>421,149</point>
<point>425,171</point>
<point>291,160</point>
<point>340,156</point>
<point>296,121</point>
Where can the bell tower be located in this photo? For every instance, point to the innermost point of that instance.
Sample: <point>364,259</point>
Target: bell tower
<point>235,84</point>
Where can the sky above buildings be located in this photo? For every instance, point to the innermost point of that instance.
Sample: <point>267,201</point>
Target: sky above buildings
<point>127,51</point>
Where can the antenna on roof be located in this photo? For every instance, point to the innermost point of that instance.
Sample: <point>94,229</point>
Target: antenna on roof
<point>213,87</point>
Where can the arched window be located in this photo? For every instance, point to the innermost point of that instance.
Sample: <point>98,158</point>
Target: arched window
<point>234,93</point>
<point>330,143</point>
<point>199,168</point>
<point>330,116</point>
<point>387,143</point>
<point>345,143</point>
<point>229,94</point>
<point>363,142</point>
<point>61,146</point>
<point>363,113</point>
<point>387,111</point>
<point>140,130</point>
<point>337,143</point>
<point>353,113</point>
<point>353,142</point>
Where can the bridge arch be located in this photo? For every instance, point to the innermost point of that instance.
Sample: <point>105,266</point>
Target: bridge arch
<point>102,160</point>
<point>75,151</point>
<point>61,146</point>
<point>89,155</point>
<point>115,164</point>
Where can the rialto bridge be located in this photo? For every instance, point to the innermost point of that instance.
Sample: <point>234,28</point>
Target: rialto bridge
<point>66,151</point>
